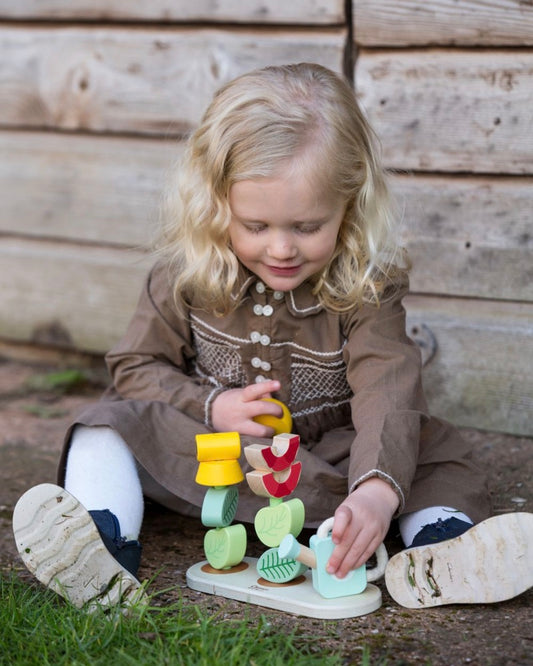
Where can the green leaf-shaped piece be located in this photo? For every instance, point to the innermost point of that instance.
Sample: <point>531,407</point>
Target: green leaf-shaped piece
<point>276,569</point>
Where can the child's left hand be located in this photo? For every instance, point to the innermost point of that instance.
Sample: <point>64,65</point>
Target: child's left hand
<point>361,523</point>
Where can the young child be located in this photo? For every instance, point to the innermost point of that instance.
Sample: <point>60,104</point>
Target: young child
<point>278,274</point>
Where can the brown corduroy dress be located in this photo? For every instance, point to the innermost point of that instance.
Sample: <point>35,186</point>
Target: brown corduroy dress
<point>352,382</point>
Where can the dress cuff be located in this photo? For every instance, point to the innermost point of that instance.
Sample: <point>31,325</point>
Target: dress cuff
<point>385,477</point>
<point>208,420</point>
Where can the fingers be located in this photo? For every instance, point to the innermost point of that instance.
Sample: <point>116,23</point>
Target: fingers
<point>349,555</point>
<point>343,517</point>
<point>235,409</point>
<point>358,529</point>
<point>260,390</point>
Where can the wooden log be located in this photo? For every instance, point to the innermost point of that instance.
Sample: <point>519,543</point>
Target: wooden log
<point>465,23</point>
<point>444,110</point>
<point>79,297</point>
<point>468,236</point>
<point>319,12</point>
<point>104,189</point>
<point>481,373</point>
<point>144,81</point>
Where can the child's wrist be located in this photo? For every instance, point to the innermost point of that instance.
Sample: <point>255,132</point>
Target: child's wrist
<point>382,489</point>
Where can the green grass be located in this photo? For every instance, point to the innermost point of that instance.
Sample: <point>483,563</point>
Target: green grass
<point>38,627</point>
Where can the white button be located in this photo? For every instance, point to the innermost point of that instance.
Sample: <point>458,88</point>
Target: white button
<point>264,340</point>
<point>259,379</point>
<point>278,295</point>
<point>258,309</point>
<point>255,336</point>
<point>268,310</point>
<point>256,363</point>
<point>260,288</point>
<point>265,366</point>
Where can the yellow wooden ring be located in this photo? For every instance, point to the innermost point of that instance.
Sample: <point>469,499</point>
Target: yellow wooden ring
<point>219,473</point>
<point>218,446</point>
<point>280,425</point>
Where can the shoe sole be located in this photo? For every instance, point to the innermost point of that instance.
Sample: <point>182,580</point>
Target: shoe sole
<point>491,562</point>
<point>60,545</point>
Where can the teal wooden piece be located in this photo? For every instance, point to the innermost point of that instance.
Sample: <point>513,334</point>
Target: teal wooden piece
<point>317,556</point>
<point>330,586</point>
<point>220,506</point>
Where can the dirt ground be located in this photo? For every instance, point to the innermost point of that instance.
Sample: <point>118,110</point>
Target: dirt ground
<point>33,417</point>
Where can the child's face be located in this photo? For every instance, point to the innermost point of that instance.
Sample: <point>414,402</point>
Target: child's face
<point>284,229</point>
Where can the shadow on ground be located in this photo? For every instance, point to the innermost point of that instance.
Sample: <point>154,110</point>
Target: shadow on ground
<point>33,418</point>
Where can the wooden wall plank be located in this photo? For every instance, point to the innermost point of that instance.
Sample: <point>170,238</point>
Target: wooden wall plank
<point>468,236</point>
<point>104,189</point>
<point>320,12</point>
<point>149,80</point>
<point>442,110</point>
<point>58,293</point>
<point>481,374</point>
<point>466,23</point>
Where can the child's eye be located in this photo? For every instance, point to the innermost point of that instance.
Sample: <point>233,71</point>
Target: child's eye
<point>308,228</point>
<point>255,228</point>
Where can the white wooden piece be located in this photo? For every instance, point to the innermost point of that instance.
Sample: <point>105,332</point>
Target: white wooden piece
<point>444,110</point>
<point>420,22</point>
<point>298,599</point>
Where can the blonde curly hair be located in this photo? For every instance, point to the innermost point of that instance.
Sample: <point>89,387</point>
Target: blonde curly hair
<point>255,124</point>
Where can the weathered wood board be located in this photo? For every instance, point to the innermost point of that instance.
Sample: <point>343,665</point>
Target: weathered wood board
<point>67,295</point>
<point>480,375</point>
<point>143,80</point>
<point>468,236</point>
<point>423,22</point>
<point>444,110</point>
<point>102,189</point>
<point>251,11</point>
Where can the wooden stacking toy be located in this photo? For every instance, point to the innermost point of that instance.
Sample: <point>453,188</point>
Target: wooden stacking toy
<point>288,576</point>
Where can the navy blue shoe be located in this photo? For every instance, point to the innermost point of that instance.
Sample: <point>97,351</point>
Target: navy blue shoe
<point>442,530</point>
<point>126,553</point>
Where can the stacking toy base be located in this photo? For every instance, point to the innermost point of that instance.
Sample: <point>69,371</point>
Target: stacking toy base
<point>297,597</point>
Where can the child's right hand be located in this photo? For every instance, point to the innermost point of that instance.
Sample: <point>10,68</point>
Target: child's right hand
<point>235,409</point>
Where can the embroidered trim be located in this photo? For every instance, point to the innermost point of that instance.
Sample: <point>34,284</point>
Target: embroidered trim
<point>314,410</point>
<point>221,334</point>
<point>385,477</point>
<point>305,361</point>
<point>311,352</point>
<point>313,308</point>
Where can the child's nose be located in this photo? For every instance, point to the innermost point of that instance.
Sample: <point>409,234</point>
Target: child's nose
<point>281,247</point>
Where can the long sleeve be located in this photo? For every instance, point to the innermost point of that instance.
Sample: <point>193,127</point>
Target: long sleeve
<point>154,361</point>
<point>388,405</point>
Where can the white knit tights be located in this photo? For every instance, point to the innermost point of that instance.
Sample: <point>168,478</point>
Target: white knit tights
<point>102,474</point>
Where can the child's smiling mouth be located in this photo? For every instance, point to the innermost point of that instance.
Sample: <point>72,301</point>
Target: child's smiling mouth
<point>286,271</point>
